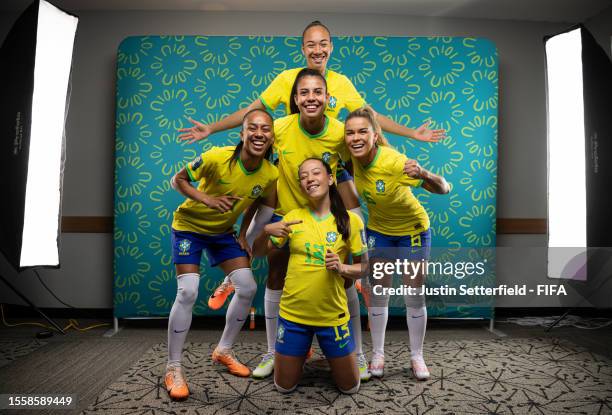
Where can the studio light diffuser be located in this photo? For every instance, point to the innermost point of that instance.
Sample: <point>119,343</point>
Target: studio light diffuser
<point>35,68</point>
<point>579,98</point>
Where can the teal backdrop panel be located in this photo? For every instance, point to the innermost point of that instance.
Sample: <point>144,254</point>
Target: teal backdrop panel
<point>162,80</point>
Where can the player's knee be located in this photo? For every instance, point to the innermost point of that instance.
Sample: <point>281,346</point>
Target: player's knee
<point>284,389</point>
<point>380,299</point>
<point>187,291</point>
<point>350,390</point>
<point>414,301</point>
<point>244,282</point>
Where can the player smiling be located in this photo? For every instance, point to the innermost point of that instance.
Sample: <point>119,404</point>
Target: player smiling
<point>398,226</point>
<point>306,133</point>
<point>230,180</point>
<point>319,238</point>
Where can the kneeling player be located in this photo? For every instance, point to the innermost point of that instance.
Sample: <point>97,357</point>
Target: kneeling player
<point>320,237</point>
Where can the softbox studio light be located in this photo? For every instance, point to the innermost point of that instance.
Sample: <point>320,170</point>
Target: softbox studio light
<point>579,103</point>
<point>35,64</point>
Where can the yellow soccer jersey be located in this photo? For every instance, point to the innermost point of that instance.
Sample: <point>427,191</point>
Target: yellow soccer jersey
<point>293,145</point>
<point>392,208</point>
<point>313,295</point>
<point>342,93</point>
<point>212,170</point>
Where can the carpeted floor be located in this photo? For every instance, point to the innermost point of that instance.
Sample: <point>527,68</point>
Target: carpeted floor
<point>11,349</point>
<point>504,376</point>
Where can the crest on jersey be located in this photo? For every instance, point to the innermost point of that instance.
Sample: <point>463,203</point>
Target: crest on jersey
<point>257,189</point>
<point>331,237</point>
<point>326,157</point>
<point>380,186</point>
<point>333,101</point>
<point>184,246</point>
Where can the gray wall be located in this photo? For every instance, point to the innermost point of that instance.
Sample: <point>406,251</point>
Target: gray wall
<point>85,279</point>
<point>601,27</point>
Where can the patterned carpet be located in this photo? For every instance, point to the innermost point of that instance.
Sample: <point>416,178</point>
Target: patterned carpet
<point>11,349</point>
<point>509,376</point>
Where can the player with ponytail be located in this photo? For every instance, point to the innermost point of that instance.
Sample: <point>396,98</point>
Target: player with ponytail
<point>320,237</point>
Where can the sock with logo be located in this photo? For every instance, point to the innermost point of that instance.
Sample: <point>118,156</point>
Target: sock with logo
<point>378,314</point>
<point>271,309</point>
<point>180,315</point>
<point>416,317</point>
<point>239,307</point>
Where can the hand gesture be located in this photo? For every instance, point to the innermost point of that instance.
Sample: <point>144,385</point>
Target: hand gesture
<point>332,262</point>
<point>423,133</point>
<point>412,168</point>
<point>221,203</point>
<point>280,229</point>
<point>198,132</point>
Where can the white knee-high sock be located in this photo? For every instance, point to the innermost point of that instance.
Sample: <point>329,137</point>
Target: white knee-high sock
<point>239,307</point>
<point>180,316</point>
<point>378,313</point>
<point>378,325</point>
<point>355,312</point>
<point>416,318</point>
<point>271,309</point>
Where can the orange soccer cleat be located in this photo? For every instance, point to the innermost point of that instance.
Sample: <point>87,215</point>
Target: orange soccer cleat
<point>176,384</point>
<point>229,360</point>
<point>218,297</point>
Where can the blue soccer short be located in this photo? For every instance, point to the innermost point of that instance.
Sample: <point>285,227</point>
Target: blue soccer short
<point>187,247</point>
<point>295,339</point>
<point>411,247</point>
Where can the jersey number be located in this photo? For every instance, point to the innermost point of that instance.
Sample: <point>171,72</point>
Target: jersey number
<point>345,332</point>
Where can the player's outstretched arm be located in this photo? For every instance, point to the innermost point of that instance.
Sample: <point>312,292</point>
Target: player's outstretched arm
<point>199,131</point>
<point>423,133</point>
<point>433,183</point>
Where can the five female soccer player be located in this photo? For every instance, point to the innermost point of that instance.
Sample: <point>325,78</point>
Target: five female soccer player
<point>308,222</point>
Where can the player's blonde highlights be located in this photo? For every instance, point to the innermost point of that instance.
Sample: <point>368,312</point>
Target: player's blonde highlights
<point>368,113</point>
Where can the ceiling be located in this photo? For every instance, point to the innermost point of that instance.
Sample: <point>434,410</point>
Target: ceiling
<point>572,11</point>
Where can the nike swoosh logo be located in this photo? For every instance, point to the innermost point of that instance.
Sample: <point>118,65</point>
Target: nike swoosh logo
<point>342,346</point>
<point>287,152</point>
<point>376,315</point>
<point>240,320</point>
<point>179,331</point>
<point>418,316</point>
<point>296,232</point>
<point>221,181</point>
<point>270,318</point>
